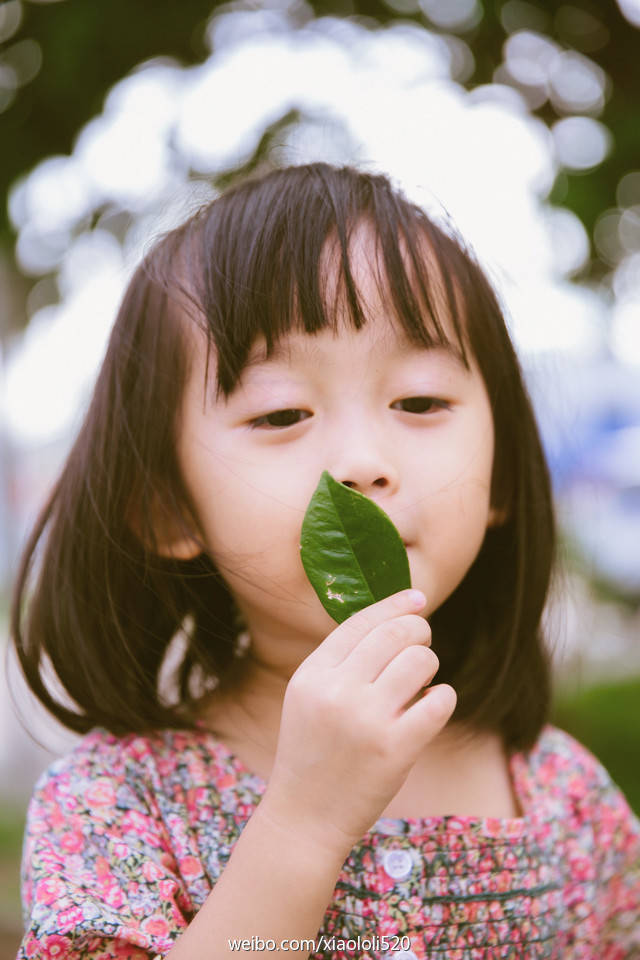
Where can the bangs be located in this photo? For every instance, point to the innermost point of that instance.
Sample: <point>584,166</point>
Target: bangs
<point>276,256</point>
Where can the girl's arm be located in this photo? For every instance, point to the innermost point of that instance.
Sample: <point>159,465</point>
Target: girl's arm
<point>274,890</point>
<point>347,742</point>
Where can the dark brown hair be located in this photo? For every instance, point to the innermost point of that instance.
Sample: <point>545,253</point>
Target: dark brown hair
<point>105,606</point>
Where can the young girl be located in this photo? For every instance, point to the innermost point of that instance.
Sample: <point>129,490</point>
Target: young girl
<point>303,789</point>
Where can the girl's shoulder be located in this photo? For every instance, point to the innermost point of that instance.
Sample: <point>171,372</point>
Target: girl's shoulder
<point>110,854</point>
<point>558,753</point>
<point>566,775</point>
<point>151,764</point>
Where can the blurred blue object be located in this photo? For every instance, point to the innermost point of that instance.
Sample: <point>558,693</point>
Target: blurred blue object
<point>589,415</point>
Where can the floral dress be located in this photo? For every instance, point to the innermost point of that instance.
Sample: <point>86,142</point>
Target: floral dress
<point>126,837</point>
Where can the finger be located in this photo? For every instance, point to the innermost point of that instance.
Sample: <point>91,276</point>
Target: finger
<point>428,715</point>
<point>344,638</point>
<point>413,668</point>
<point>382,644</point>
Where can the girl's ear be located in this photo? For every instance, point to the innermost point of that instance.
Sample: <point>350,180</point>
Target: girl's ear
<point>181,548</point>
<point>498,516</point>
<point>175,538</point>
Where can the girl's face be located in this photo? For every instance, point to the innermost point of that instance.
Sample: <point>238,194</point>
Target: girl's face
<point>407,426</point>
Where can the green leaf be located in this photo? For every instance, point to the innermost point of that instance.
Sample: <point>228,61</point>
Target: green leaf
<point>351,551</point>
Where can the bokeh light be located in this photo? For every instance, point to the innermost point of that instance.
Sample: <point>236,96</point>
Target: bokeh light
<point>387,99</point>
<point>580,28</point>
<point>452,14</point>
<point>64,344</point>
<point>55,196</point>
<point>569,79</point>
<point>628,192</point>
<point>25,59</point>
<point>140,111</point>
<point>529,57</point>
<point>10,19</point>
<point>520,15</point>
<point>625,327</point>
<point>631,10</point>
<point>577,84</point>
<point>607,238</point>
<point>581,143</point>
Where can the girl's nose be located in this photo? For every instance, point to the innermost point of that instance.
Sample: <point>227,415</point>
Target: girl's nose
<point>365,470</point>
<point>379,482</point>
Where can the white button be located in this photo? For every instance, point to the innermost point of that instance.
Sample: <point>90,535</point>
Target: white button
<point>398,864</point>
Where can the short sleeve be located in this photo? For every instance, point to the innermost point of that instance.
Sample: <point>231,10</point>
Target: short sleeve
<point>605,851</point>
<point>618,836</point>
<point>98,877</point>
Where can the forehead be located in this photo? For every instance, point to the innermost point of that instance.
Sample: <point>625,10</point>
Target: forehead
<point>380,336</point>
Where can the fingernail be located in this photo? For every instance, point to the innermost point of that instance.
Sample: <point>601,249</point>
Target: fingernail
<point>416,597</point>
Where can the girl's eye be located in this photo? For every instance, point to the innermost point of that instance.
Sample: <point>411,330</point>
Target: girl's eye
<point>422,404</point>
<point>280,418</point>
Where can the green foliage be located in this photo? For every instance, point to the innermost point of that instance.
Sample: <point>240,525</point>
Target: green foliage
<point>87,47</point>
<point>11,834</point>
<point>606,719</point>
<point>11,831</point>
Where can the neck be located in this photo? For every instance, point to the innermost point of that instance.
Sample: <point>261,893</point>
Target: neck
<point>249,707</point>
<point>458,772</point>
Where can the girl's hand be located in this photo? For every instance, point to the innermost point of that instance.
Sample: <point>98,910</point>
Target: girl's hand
<point>347,737</point>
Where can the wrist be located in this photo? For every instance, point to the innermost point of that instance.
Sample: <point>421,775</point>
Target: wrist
<point>301,831</point>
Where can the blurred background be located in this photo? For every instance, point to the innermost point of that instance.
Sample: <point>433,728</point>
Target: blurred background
<point>518,120</point>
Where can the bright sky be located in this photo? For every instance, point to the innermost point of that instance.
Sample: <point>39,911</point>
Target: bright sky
<point>386,99</point>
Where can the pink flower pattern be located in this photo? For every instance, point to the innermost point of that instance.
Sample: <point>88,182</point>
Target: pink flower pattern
<point>126,837</point>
